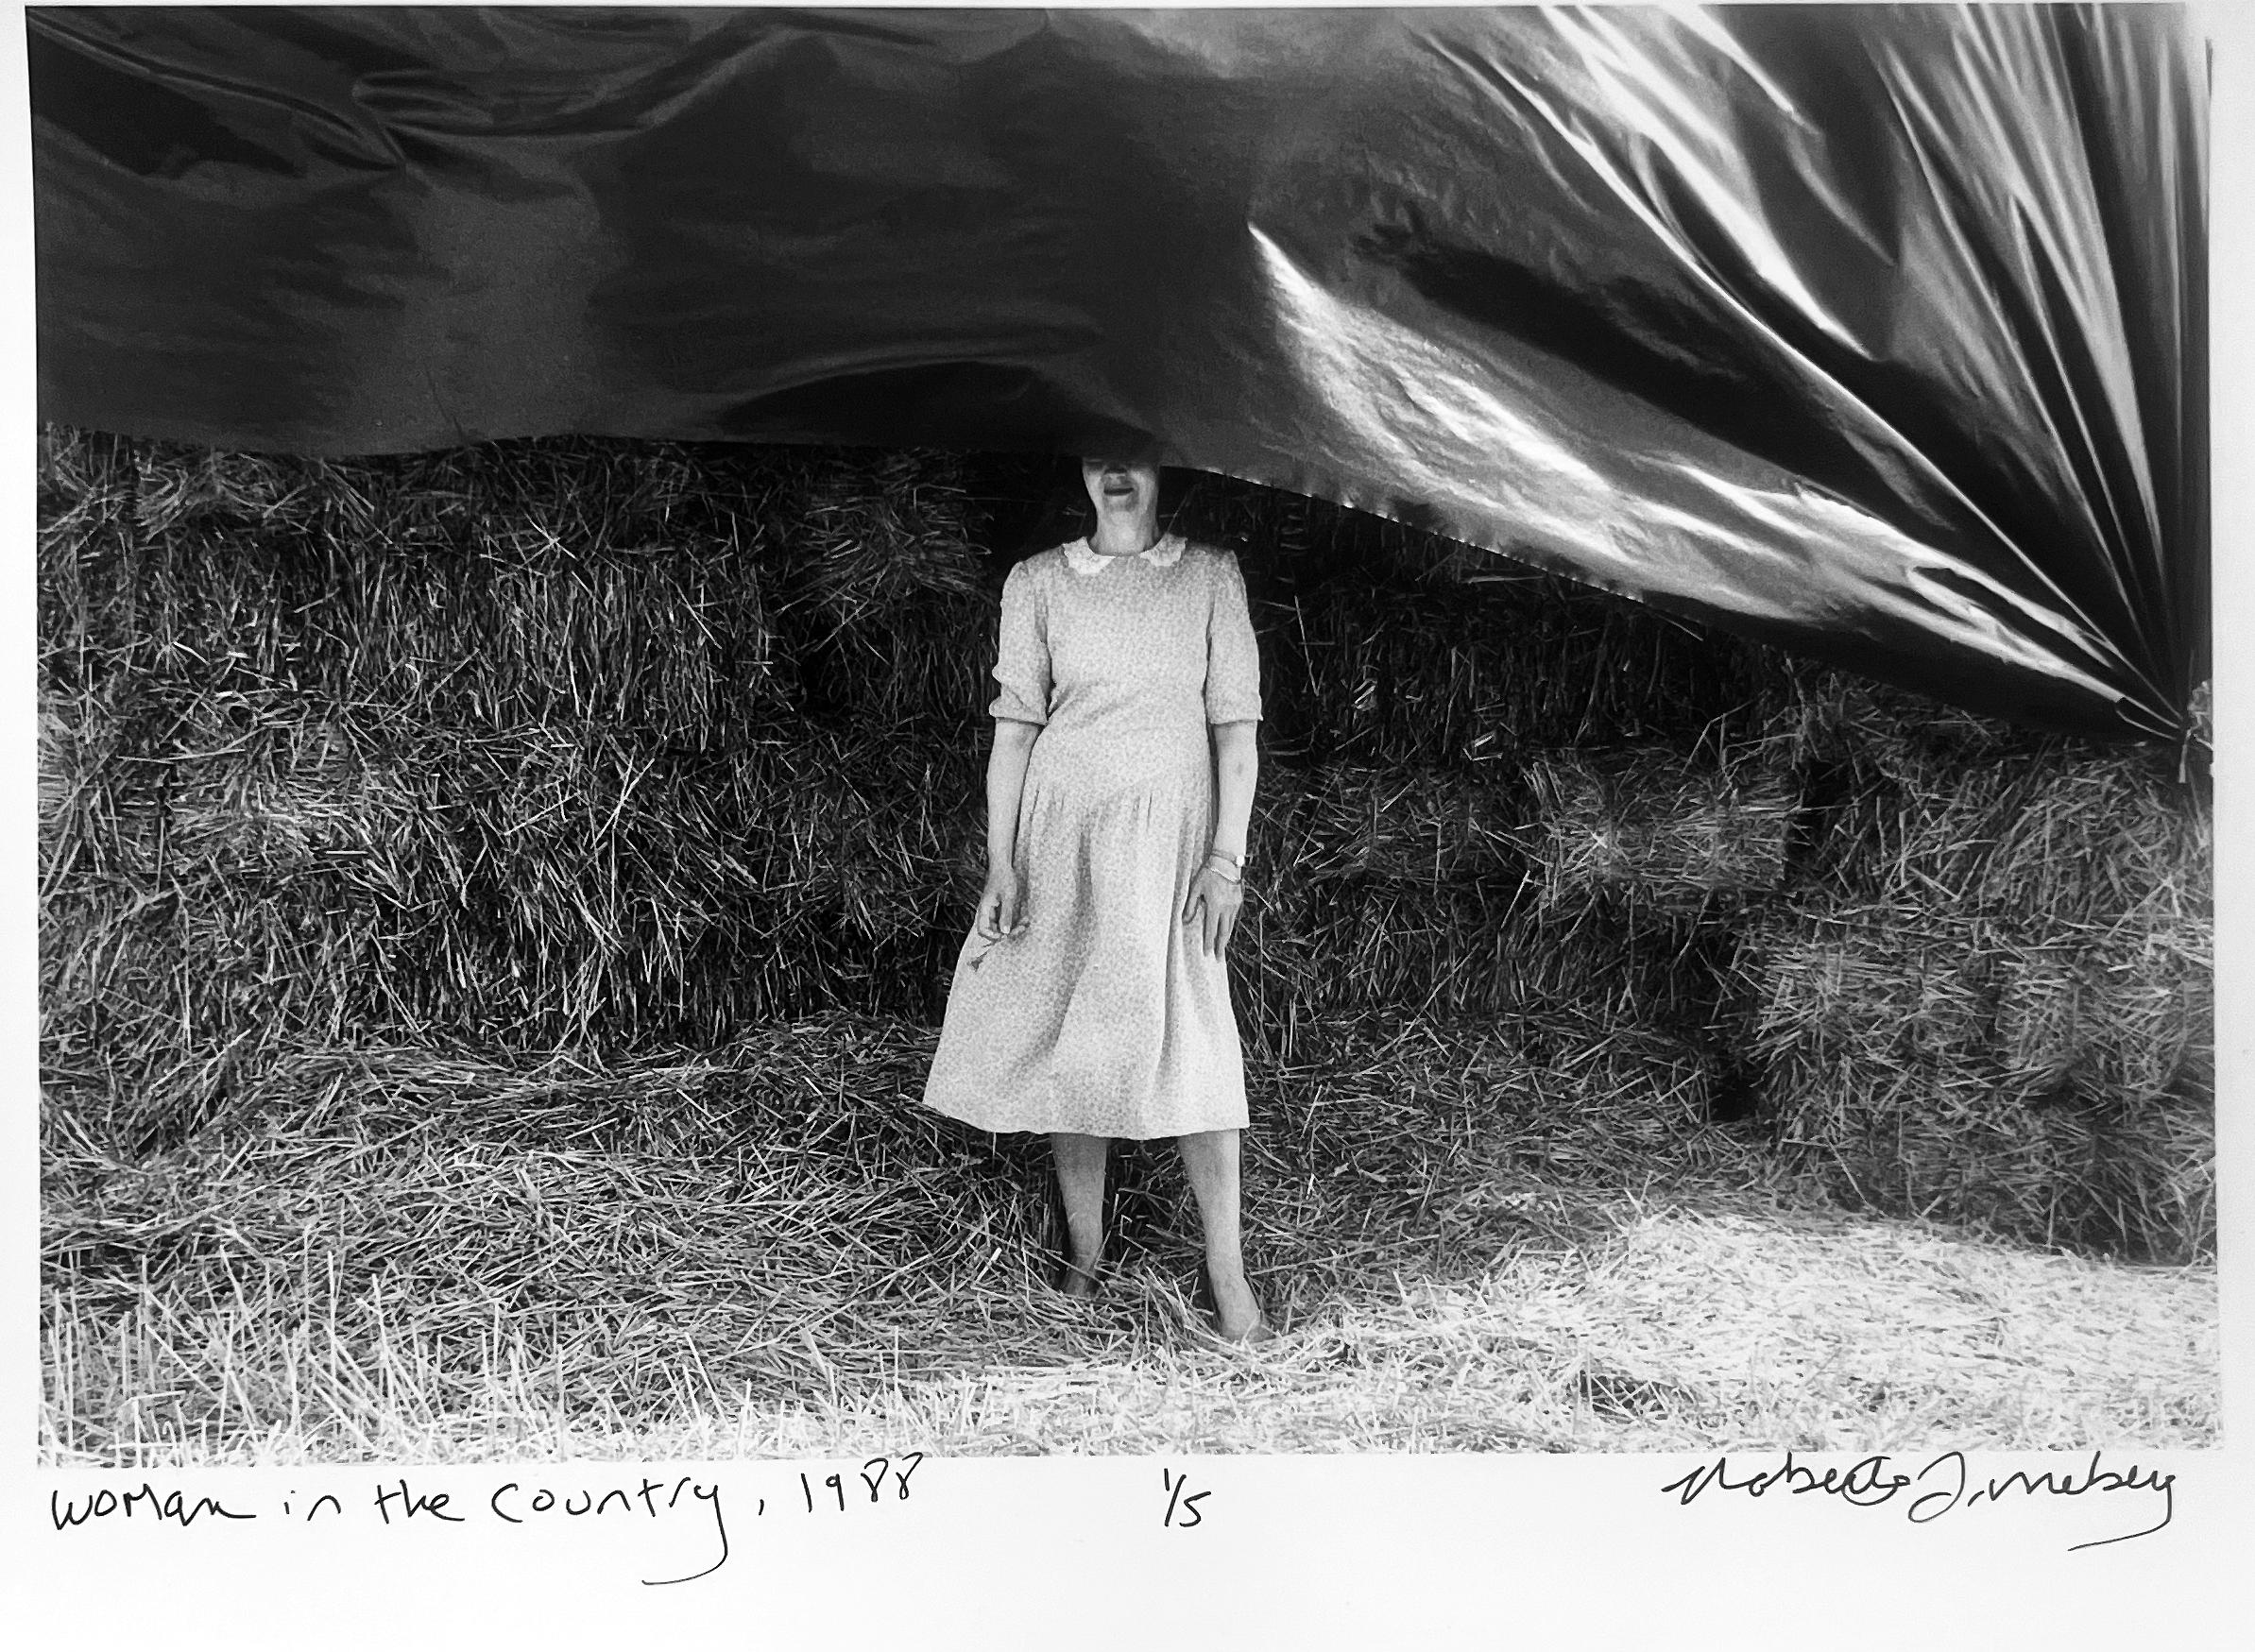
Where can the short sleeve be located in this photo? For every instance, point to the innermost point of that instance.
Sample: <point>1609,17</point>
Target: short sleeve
<point>1022,657</point>
<point>1232,656</point>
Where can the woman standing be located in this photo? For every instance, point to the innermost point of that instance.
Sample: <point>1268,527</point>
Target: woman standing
<point>1090,1000</point>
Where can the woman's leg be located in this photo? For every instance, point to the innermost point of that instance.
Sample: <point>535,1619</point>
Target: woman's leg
<point>1211,1157</point>
<point>1081,1178</point>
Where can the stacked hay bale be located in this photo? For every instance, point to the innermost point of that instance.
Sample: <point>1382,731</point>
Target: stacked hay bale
<point>1993,1001</point>
<point>552,743</point>
<point>629,747</point>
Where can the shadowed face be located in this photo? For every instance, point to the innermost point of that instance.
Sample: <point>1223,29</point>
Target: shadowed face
<point>1126,495</point>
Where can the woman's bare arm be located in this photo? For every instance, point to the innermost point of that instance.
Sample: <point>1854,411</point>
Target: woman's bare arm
<point>1005,785</point>
<point>1001,903</point>
<point>1236,768</point>
<point>1216,895</point>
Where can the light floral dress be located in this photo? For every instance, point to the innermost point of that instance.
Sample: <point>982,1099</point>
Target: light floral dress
<point>1104,1016</point>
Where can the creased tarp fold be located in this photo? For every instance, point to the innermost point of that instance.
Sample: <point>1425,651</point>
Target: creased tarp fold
<point>1876,333</point>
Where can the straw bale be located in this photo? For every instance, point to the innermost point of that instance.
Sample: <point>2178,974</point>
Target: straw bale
<point>2041,1014</point>
<point>2010,1021</point>
<point>1352,946</point>
<point>1647,823</point>
<point>176,484</point>
<point>2090,876</point>
<point>291,795</point>
<point>922,668</point>
<point>85,501</point>
<point>1809,715</point>
<point>541,579</point>
<point>562,881</point>
<point>875,533</point>
<point>1347,946</point>
<point>157,1004</point>
<point>1857,978</point>
<point>1389,672</point>
<point>675,642</point>
<point>78,468</point>
<point>78,742</point>
<point>1394,825</point>
<point>2068,1171</point>
<point>2099,840</point>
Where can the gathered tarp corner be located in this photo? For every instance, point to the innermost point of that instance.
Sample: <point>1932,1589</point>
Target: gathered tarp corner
<point>1876,333</point>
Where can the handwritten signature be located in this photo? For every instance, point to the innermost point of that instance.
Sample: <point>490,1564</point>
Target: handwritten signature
<point>1873,1482</point>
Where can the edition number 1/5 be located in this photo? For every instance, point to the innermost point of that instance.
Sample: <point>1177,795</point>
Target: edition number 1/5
<point>1182,1503</point>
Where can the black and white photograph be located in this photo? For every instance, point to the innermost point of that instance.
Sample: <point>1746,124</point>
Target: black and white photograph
<point>906,736</point>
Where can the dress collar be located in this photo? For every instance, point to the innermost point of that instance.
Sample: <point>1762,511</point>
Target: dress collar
<point>1086,559</point>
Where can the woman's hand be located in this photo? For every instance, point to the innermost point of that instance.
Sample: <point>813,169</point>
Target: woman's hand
<point>1213,904</point>
<point>1001,904</point>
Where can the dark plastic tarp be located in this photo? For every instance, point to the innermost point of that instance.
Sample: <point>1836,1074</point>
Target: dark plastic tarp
<point>1879,333</point>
